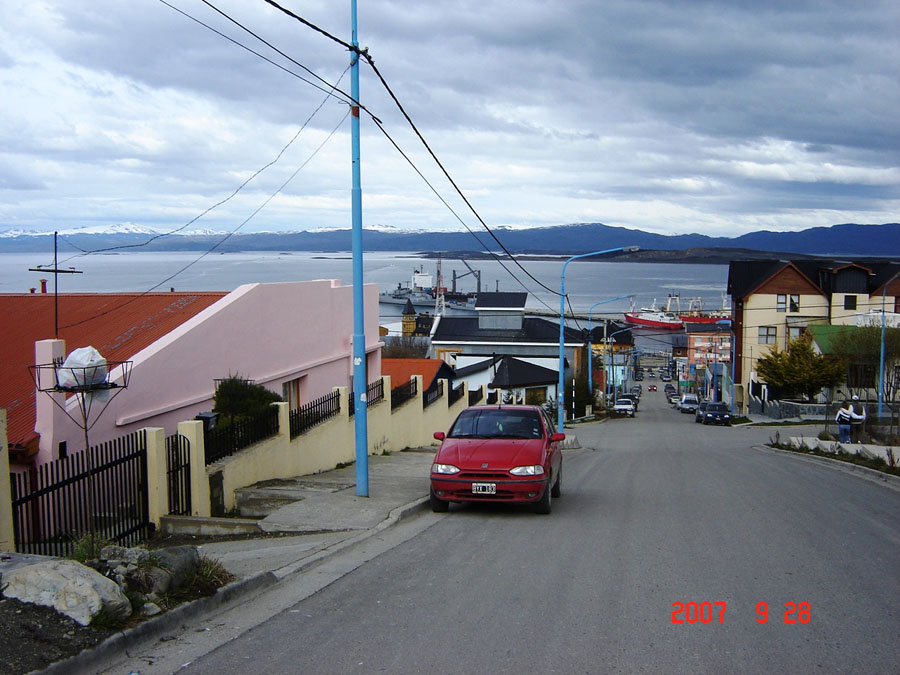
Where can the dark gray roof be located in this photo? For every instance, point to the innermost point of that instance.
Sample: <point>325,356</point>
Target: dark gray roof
<point>745,276</point>
<point>512,372</point>
<point>534,329</point>
<point>501,300</point>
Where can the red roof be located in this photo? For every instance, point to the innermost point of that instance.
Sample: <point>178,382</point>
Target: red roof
<point>118,325</point>
<point>402,370</point>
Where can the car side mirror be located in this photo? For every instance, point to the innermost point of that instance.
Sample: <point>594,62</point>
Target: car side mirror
<point>558,436</point>
<point>439,435</point>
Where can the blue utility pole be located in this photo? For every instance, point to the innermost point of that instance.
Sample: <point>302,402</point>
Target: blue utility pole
<point>360,379</point>
<point>590,348</point>
<point>881,361</point>
<point>560,387</point>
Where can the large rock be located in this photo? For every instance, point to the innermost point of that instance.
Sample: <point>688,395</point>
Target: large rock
<point>178,561</point>
<point>69,587</point>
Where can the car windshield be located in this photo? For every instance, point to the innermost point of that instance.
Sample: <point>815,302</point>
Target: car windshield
<point>497,423</point>
<point>716,407</point>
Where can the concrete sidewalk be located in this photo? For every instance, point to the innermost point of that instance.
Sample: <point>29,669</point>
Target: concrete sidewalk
<point>322,513</point>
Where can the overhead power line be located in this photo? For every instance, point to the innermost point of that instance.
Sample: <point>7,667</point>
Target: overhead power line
<point>368,58</point>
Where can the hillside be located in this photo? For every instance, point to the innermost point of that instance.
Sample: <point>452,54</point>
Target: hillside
<point>845,240</point>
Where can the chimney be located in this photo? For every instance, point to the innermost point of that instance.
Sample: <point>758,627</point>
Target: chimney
<point>33,290</point>
<point>43,285</point>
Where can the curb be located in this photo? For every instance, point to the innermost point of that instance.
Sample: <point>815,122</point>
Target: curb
<point>864,472</point>
<point>170,621</point>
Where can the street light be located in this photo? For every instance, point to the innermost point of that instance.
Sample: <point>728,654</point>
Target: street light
<point>590,352</point>
<point>881,364</point>
<point>609,354</point>
<point>560,389</point>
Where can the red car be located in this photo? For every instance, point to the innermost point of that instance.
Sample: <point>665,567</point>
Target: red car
<point>652,387</point>
<point>497,453</point>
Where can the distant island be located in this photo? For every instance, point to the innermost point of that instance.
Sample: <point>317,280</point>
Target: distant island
<point>848,240</point>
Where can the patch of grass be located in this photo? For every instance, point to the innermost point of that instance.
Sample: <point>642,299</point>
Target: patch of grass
<point>88,547</point>
<point>105,621</point>
<point>207,578</point>
<point>877,464</point>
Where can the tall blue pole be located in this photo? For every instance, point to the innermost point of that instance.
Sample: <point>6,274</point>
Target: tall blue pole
<point>590,346</point>
<point>881,361</point>
<point>360,379</point>
<point>560,387</point>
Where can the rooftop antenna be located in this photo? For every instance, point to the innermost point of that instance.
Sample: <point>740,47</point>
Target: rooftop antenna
<point>86,375</point>
<point>55,271</point>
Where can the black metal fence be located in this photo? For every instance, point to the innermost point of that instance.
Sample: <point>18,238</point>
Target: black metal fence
<point>231,436</point>
<point>58,502</point>
<point>315,412</point>
<point>476,395</point>
<point>403,393</point>
<point>374,394</point>
<point>178,474</point>
<point>456,393</point>
<point>433,393</point>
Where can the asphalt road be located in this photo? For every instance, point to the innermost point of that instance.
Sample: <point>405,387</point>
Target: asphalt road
<point>656,510</point>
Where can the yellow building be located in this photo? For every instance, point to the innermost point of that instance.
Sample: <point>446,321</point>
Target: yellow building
<point>773,301</point>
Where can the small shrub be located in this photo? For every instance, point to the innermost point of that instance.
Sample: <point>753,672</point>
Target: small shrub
<point>825,436</point>
<point>88,547</point>
<point>209,577</point>
<point>103,620</point>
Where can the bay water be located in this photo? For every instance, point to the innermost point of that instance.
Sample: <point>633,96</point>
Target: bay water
<point>587,282</point>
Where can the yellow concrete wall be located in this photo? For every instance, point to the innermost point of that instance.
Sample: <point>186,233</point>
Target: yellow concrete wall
<point>333,442</point>
<point>7,542</point>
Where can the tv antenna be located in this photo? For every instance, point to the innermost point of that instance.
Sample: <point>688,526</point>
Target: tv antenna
<point>55,271</point>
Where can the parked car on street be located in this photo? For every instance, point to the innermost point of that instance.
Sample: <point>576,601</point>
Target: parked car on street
<point>624,407</point>
<point>701,408</point>
<point>634,398</point>
<point>507,454</point>
<point>688,403</point>
<point>674,399</point>
<point>717,413</point>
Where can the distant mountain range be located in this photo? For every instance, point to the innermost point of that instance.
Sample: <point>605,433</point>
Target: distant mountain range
<point>846,240</point>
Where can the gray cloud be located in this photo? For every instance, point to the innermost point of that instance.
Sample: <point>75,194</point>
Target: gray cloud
<point>718,117</point>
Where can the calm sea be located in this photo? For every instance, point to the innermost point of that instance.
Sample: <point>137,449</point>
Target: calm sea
<point>586,282</point>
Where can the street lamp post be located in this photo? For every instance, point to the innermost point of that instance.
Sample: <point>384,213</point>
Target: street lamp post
<point>881,361</point>
<point>590,334</point>
<point>560,388</point>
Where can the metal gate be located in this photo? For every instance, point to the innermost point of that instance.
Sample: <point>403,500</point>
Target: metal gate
<point>178,474</point>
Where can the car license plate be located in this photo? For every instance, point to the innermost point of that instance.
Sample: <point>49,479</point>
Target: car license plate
<point>484,488</point>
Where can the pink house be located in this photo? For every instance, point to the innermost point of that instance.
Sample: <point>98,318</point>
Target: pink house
<point>293,338</point>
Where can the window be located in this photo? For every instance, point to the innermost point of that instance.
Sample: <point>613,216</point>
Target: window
<point>767,335</point>
<point>784,302</point>
<point>849,302</point>
<point>795,331</point>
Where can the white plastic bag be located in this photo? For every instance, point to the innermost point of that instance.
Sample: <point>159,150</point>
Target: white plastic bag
<point>83,368</point>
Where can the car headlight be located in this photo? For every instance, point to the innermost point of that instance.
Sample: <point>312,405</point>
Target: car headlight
<point>444,468</point>
<point>530,470</point>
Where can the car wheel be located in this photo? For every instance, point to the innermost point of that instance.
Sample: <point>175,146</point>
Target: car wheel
<point>704,422</point>
<point>543,505</point>
<point>438,505</point>
<point>556,492</point>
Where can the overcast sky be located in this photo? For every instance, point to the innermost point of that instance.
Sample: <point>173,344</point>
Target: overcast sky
<point>718,117</point>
